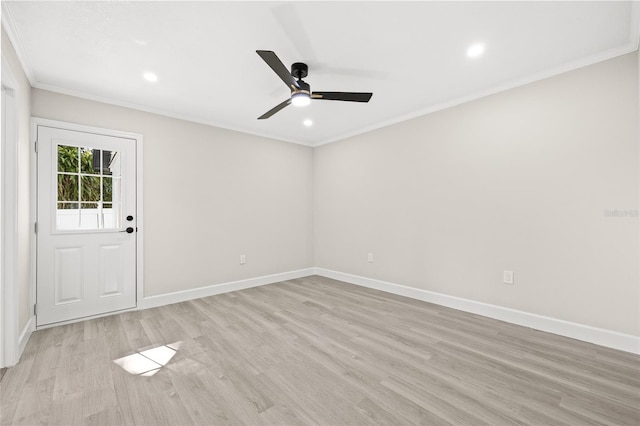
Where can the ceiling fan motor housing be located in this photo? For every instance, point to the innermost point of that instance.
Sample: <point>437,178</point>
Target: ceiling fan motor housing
<point>304,87</point>
<point>299,70</point>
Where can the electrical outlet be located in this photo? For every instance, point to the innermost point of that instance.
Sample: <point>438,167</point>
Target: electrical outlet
<point>243,259</point>
<point>370,257</point>
<point>507,277</point>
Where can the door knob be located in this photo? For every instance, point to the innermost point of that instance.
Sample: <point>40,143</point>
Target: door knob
<point>129,230</point>
<point>129,218</point>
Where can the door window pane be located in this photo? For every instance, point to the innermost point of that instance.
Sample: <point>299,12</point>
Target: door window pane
<point>86,160</point>
<point>111,164</point>
<point>107,157</point>
<point>67,187</point>
<point>111,216</point>
<point>90,216</point>
<point>68,158</point>
<point>67,206</point>
<point>116,190</point>
<point>68,216</point>
<point>107,189</point>
<point>91,188</point>
<point>88,190</point>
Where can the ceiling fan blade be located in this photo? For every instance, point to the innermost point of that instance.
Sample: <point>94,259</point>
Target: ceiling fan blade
<point>343,96</point>
<point>278,67</point>
<point>275,109</point>
<point>295,27</point>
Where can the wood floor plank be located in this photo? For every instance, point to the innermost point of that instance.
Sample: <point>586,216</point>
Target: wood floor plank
<point>315,351</point>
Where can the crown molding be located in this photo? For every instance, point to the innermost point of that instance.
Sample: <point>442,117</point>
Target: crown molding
<point>571,66</point>
<point>157,111</point>
<point>8,23</point>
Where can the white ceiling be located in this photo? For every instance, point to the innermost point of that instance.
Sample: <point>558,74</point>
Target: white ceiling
<point>411,55</point>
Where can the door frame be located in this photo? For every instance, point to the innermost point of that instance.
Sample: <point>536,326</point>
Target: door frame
<point>9,291</point>
<point>37,121</point>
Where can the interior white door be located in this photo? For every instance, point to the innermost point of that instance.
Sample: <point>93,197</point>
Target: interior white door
<point>86,228</point>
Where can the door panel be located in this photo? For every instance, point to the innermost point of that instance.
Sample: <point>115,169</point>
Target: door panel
<point>68,275</point>
<point>110,273</point>
<point>86,261</point>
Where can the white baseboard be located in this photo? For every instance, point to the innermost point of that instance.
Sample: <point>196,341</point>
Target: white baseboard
<point>599,336</point>
<point>26,335</point>
<point>15,348</point>
<point>196,293</point>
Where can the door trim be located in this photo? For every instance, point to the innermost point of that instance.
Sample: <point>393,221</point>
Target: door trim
<point>9,291</point>
<point>37,121</point>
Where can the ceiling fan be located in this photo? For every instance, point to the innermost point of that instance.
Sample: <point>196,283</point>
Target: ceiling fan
<point>301,94</point>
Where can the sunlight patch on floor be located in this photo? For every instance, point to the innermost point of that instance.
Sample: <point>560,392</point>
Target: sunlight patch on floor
<point>148,362</point>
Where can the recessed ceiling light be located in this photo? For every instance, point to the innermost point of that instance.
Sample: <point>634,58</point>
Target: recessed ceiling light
<point>149,76</point>
<point>307,122</point>
<point>475,50</point>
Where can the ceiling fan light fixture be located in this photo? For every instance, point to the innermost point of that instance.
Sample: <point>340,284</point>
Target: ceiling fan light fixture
<point>300,99</point>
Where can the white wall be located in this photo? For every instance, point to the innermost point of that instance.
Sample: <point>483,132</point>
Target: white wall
<point>520,180</point>
<point>209,195</point>
<point>22,96</point>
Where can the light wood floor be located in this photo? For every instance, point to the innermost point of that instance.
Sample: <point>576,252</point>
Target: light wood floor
<point>317,351</point>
